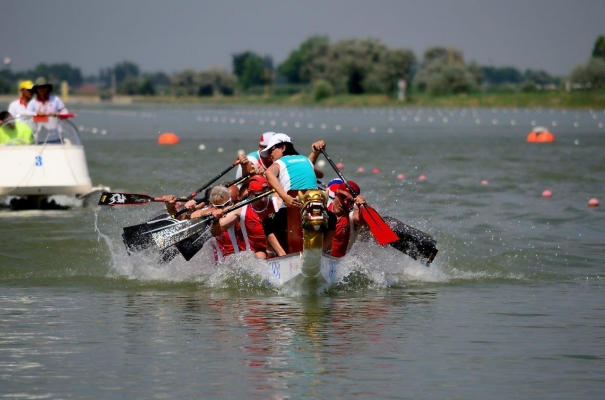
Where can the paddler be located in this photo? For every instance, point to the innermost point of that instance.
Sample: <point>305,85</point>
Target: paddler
<point>250,217</point>
<point>289,174</point>
<point>348,220</point>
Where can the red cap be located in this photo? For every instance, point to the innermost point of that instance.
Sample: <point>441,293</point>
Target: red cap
<point>258,183</point>
<point>343,186</point>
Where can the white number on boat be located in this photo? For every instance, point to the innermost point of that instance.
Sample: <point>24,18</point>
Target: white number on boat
<point>275,268</point>
<point>332,268</point>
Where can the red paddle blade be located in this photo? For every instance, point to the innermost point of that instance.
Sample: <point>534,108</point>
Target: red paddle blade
<point>380,229</point>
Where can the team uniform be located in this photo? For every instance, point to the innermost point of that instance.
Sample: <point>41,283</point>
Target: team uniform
<point>251,222</point>
<point>296,173</point>
<point>345,234</point>
<point>228,242</point>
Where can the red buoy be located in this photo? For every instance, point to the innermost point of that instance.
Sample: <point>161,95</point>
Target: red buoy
<point>168,138</point>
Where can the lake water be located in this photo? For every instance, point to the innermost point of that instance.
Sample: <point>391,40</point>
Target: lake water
<point>512,307</point>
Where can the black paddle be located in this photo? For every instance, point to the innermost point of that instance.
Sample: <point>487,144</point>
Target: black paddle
<point>133,237</point>
<point>171,235</point>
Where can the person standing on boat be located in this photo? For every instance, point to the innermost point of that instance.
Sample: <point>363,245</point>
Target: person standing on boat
<point>348,220</point>
<point>18,107</point>
<point>250,217</point>
<point>289,174</point>
<point>14,132</point>
<point>44,103</point>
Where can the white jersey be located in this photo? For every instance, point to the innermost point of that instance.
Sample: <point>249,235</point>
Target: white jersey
<point>18,108</point>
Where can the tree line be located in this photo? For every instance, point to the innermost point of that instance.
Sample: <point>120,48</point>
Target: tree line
<point>323,68</point>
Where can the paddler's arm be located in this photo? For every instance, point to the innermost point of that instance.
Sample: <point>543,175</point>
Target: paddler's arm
<point>315,152</point>
<point>228,220</point>
<point>271,175</point>
<point>245,164</point>
<point>357,220</point>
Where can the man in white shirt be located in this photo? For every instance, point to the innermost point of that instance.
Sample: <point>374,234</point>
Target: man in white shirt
<point>44,103</point>
<point>19,107</point>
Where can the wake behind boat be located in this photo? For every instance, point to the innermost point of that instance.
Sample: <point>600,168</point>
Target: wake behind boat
<point>51,161</point>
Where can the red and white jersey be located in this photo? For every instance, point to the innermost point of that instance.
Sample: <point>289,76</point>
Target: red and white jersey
<point>344,235</point>
<point>229,242</point>
<point>251,222</point>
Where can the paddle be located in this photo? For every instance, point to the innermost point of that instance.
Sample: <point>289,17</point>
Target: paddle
<point>380,229</point>
<point>133,237</point>
<point>181,230</point>
<point>127,199</point>
<point>413,242</point>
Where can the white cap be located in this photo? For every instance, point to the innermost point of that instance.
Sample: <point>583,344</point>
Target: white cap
<point>275,139</point>
<point>264,138</point>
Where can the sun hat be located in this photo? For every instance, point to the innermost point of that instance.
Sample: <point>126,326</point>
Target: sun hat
<point>258,183</point>
<point>275,139</point>
<point>41,82</point>
<point>264,138</point>
<point>26,85</point>
<point>343,186</point>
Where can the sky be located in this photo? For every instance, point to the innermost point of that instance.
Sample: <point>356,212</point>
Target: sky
<point>170,36</point>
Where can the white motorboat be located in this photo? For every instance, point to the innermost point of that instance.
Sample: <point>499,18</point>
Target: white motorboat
<point>51,162</point>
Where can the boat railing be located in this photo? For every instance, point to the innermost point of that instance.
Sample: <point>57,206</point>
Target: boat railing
<point>46,130</point>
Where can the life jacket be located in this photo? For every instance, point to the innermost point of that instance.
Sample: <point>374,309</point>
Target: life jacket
<point>251,222</point>
<point>223,245</point>
<point>344,235</point>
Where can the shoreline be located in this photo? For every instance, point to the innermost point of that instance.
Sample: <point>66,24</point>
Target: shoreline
<point>543,99</point>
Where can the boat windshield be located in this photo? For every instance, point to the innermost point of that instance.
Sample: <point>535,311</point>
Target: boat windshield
<point>44,130</point>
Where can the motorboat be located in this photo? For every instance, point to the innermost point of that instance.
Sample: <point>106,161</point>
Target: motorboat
<point>50,162</point>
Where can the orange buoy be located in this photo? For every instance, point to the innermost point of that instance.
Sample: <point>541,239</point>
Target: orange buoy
<point>540,135</point>
<point>594,202</point>
<point>168,138</point>
<point>546,193</point>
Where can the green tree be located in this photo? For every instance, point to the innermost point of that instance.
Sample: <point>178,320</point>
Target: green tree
<point>590,75</point>
<point>599,48</point>
<point>5,86</point>
<point>443,71</point>
<point>216,80</point>
<point>59,72</point>
<point>252,69</point>
<point>295,68</point>
<point>185,83</point>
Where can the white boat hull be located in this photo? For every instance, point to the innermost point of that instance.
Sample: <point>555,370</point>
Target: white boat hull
<point>43,170</point>
<point>288,270</point>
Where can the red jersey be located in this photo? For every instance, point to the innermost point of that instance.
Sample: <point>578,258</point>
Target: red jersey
<point>223,245</point>
<point>251,221</point>
<point>344,235</point>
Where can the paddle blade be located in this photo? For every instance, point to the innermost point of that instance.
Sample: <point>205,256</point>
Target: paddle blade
<point>138,237</point>
<point>171,235</point>
<point>190,246</point>
<point>380,229</point>
<point>413,242</point>
<point>125,199</point>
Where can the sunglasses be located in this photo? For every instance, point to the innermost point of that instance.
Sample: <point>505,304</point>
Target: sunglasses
<point>344,197</point>
<point>219,206</point>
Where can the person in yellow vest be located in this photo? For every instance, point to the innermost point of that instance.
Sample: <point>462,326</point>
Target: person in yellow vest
<point>14,132</point>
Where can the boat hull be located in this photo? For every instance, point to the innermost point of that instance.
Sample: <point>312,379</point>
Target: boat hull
<point>288,270</point>
<point>39,170</point>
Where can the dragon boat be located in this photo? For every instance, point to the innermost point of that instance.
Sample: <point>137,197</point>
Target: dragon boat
<point>305,266</point>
